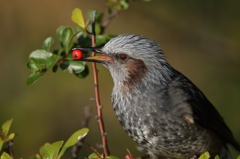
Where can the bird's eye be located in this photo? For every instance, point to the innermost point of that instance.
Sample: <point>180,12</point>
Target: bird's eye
<point>123,57</point>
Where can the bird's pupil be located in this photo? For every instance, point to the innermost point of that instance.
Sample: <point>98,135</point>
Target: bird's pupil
<point>123,56</point>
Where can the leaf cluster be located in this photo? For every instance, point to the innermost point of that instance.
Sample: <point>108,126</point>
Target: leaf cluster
<point>48,151</point>
<point>42,60</point>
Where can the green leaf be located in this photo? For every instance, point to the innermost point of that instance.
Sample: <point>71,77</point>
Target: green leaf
<point>84,73</point>
<point>4,133</point>
<point>40,59</point>
<point>59,52</point>
<point>99,16</point>
<point>64,35</point>
<point>59,32</point>
<point>76,66</point>
<point>77,17</point>
<point>84,39</point>
<point>40,56</point>
<point>78,135</point>
<point>6,126</point>
<point>102,39</point>
<point>55,68</point>
<point>65,64</point>
<point>33,65</point>
<point>98,28</point>
<point>124,4</point>
<point>205,155</point>
<point>238,157</point>
<point>216,157</point>
<point>11,136</point>
<point>79,29</point>
<point>93,156</point>
<point>33,77</point>
<point>98,22</point>
<point>51,61</point>
<point>118,5</point>
<point>48,43</point>
<point>37,156</point>
<point>5,156</point>
<point>50,151</point>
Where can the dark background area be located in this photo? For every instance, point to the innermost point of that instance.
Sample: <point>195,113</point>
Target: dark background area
<point>200,38</point>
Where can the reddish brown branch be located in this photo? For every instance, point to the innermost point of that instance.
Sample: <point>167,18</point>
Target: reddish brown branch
<point>96,89</point>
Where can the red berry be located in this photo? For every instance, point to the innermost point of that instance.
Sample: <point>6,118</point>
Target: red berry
<point>77,54</point>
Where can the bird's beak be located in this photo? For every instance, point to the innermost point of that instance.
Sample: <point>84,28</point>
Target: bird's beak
<point>98,58</point>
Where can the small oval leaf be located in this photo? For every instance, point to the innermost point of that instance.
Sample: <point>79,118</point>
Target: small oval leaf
<point>217,157</point>
<point>65,64</point>
<point>40,56</point>
<point>78,135</point>
<point>77,17</point>
<point>102,39</point>
<point>33,77</point>
<point>33,65</point>
<point>5,156</point>
<point>76,66</point>
<point>11,136</point>
<point>59,32</point>
<point>94,156</point>
<point>205,155</point>
<point>65,37</point>
<point>50,151</point>
<point>55,68</point>
<point>48,43</point>
<point>6,126</point>
<point>84,73</point>
<point>51,61</point>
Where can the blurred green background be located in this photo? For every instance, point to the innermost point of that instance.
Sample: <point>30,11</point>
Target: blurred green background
<point>200,38</point>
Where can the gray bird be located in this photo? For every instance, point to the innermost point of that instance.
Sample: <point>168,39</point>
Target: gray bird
<point>160,108</point>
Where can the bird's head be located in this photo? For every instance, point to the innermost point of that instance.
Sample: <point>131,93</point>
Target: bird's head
<point>130,59</point>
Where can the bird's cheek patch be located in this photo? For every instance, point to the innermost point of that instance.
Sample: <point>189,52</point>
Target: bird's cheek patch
<point>136,71</point>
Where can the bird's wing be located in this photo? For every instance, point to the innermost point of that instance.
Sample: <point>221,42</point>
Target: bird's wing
<point>205,114</point>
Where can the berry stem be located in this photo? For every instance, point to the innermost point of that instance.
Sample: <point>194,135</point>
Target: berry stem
<point>96,89</point>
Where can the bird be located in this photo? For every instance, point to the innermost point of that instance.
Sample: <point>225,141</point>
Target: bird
<point>160,108</point>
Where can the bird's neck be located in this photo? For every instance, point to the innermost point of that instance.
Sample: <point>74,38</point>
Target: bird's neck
<point>152,82</point>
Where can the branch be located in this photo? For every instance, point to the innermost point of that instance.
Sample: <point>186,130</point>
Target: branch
<point>77,147</point>
<point>96,89</point>
<point>109,19</point>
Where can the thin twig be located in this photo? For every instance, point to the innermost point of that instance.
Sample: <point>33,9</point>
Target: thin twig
<point>95,151</point>
<point>96,89</point>
<point>9,148</point>
<point>109,19</point>
<point>77,147</point>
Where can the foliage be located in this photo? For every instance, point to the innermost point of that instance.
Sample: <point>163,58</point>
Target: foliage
<point>46,58</point>
<point>205,155</point>
<point>57,149</point>
<point>42,60</point>
<point>47,151</point>
<point>4,137</point>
